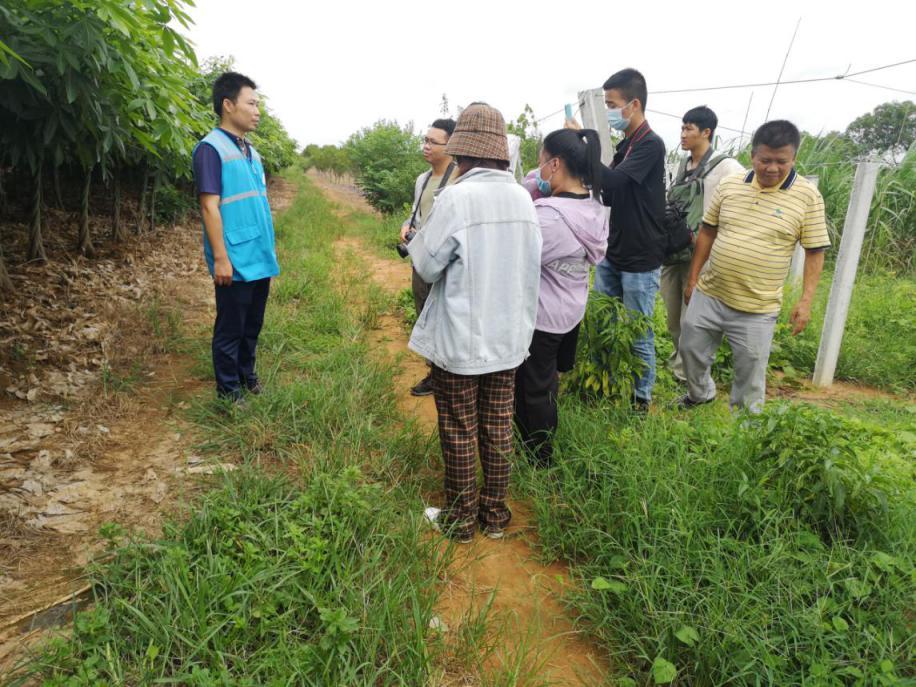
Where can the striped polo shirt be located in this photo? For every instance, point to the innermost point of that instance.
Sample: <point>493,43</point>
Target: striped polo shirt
<point>757,232</point>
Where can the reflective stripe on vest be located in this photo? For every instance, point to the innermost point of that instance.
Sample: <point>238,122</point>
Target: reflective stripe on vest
<point>248,231</point>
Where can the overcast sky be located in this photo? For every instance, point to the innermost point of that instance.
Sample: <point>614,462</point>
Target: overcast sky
<point>333,67</point>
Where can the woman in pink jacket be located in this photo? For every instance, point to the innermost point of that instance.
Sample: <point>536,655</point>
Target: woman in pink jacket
<point>574,229</point>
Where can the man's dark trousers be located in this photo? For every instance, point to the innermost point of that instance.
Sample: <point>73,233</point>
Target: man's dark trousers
<point>239,317</point>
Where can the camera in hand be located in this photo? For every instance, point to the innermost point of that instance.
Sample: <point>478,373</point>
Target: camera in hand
<point>402,247</point>
<point>677,234</point>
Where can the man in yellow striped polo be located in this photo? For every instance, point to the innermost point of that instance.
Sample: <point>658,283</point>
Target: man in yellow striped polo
<point>748,236</point>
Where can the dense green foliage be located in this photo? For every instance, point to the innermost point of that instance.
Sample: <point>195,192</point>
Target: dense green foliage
<point>769,550</point>
<point>386,159</point>
<point>329,159</point>
<point>106,90</point>
<point>879,343</point>
<point>606,366</point>
<point>889,129</point>
<point>526,128</point>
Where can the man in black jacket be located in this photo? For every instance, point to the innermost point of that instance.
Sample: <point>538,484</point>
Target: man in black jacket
<point>634,187</point>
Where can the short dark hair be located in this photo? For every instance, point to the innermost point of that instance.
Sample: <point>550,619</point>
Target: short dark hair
<point>631,83</point>
<point>228,85</point>
<point>776,134</point>
<point>447,125</point>
<point>704,118</point>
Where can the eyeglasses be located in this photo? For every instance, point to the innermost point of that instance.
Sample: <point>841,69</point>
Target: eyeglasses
<point>431,142</point>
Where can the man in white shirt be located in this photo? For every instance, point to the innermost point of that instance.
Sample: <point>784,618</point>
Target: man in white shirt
<point>698,175</point>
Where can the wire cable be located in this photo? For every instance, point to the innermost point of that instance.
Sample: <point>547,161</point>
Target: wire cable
<point>838,77</point>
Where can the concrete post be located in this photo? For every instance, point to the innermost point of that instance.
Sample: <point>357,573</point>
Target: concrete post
<point>594,116</point>
<point>844,275</point>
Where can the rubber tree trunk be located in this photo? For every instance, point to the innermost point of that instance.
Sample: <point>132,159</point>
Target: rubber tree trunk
<point>36,250</point>
<point>152,202</point>
<point>84,242</point>
<point>6,285</point>
<point>117,228</point>
<point>57,194</point>
<point>3,198</point>
<point>141,212</point>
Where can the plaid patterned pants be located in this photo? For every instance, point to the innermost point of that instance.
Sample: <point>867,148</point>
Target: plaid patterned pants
<point>475,414</point>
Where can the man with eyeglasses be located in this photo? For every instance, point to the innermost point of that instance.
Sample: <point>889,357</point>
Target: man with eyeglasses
<point>441,173</point>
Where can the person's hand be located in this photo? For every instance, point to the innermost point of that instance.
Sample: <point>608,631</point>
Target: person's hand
<point>800,316</point>
<point>572,124</point>
<point>688,291</point>
<point>404,229</point>
<point>222,271</point>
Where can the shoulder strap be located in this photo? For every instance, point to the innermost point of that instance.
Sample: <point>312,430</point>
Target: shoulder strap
<point>711,165</point>
<point>416,208</point>
<point>445,177</point>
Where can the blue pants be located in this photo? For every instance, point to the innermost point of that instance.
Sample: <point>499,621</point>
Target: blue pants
<point>239,317</point>
<point>637,291</point>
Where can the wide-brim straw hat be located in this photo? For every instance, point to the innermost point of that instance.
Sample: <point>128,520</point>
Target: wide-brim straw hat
<point>479,132</point>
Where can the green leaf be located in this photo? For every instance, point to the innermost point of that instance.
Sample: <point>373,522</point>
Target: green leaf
<point>840,624</point>
<point>600,584</point>
<point>663,671</point>
<point>625,682</point>
<point>687,635</point>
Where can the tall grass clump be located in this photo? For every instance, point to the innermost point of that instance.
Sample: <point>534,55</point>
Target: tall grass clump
<point>879,341</point>
<point>774,550</point>
<point>307,565</point>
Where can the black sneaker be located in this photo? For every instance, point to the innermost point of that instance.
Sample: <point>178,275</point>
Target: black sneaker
<point>640,405</point>
<point>686,403</point>
<point>253,385</point>
<point>423,388</point>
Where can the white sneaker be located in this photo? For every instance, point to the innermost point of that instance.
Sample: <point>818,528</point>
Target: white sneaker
<point>432,515</point>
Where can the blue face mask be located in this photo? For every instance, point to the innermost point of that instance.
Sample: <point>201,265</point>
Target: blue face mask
<point>543,184</point>
<point>616,120</point>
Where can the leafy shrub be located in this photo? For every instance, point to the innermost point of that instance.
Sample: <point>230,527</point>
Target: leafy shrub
<point>387,160</point>
<point>173,204</point>
<point>606,366</point>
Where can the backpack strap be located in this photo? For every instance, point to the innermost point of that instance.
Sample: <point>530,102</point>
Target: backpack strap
<point>711,165</point>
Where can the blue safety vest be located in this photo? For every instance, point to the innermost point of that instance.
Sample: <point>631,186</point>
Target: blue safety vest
<point>248,229</point>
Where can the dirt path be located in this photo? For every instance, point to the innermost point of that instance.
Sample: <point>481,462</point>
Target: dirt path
<point>538,640</point>
<point>91,430</point>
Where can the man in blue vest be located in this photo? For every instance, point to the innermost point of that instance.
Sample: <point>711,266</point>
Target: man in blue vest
<point>238,233</point>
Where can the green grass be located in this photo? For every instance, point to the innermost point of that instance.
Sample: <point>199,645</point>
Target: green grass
<point>879,343</point>
<point>775,550</point>
<point>305,566</point>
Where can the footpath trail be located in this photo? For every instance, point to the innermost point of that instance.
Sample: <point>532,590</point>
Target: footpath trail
<point>536,639</point>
